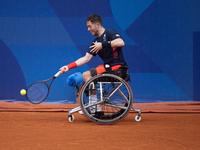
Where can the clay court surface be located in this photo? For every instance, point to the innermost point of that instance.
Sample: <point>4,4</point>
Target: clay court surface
<point>46,127</point>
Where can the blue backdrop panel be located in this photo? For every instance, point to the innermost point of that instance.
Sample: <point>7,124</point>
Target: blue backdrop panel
<point>161,37</point>
<point>12,78</point>
<point>126,12</point>
<point>33,31</point>
<point>26,8</point>
<point>164,32</point>
<point>196,66</point>
<point>156,87</point>
<point>78,8</point>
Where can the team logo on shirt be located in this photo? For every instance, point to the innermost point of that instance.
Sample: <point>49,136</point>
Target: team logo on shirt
<point>104,37</point>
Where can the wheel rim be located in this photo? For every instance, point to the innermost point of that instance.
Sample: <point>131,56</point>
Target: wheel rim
<point>115,100</point>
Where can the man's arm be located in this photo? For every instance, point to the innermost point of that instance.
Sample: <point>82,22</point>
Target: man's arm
<point>81,61</point>
<point>117,43</point>
<point>114,43</point>
<point>84,60</point>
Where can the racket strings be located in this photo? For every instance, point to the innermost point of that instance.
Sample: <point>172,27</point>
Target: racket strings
<point>37,92</point>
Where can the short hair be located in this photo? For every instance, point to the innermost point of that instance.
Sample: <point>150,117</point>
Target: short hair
<point>94,18</point>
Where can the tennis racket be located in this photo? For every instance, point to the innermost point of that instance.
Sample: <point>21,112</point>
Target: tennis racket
<point>38,91</point>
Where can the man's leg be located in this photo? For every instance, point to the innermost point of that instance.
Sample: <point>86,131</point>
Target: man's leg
<point>92,94</point>
<point>87,76</point>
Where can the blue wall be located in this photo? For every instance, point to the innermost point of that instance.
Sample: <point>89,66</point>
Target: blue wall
<point>162,45</point>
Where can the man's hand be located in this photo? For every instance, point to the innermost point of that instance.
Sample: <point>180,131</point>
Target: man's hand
<point>96,47</point>
<point>63,69</point>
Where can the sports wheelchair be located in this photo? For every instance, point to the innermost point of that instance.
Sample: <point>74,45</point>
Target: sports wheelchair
<point>114,96</point>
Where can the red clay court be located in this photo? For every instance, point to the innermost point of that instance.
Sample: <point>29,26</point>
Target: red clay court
<point>166,126</point>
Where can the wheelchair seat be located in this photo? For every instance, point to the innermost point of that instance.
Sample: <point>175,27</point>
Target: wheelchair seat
<point>121,72</point>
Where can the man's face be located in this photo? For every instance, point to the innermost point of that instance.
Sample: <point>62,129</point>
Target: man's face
<point>93,28</point>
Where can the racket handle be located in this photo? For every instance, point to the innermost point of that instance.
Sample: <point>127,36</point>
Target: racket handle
<point>57,74</point>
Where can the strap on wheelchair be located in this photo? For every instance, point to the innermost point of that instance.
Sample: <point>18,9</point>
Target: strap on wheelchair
<point>108,68</point>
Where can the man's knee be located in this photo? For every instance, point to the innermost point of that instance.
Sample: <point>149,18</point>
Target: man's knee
<point>86,76</point>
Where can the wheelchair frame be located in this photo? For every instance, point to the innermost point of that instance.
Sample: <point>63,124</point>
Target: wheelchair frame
<point>112,112</point>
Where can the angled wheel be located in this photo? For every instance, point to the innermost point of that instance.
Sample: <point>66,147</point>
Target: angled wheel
<point>138,118</point>
<point>114,99</point>
<point>71,118</point>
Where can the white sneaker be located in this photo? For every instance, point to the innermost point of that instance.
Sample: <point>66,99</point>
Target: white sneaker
<point>99,108</point>
<point>93,109</point>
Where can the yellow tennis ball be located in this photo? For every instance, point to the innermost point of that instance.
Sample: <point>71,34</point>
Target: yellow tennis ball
<point>23,92</point>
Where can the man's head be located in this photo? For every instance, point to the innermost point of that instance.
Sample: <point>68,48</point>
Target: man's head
<point>94,24</point>
<point>94,19</point>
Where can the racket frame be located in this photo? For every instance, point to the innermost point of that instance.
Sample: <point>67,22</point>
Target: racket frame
<point>44,82</point>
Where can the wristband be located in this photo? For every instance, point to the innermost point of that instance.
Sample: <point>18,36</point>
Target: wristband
<point>72,65</point>
<point>106,44</point>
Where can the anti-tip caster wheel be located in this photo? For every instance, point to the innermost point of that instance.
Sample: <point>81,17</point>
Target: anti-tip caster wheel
<point>138,118</point>
<point>71,118</point>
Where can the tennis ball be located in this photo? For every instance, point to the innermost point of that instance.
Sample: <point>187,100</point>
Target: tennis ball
<point>23,92</point>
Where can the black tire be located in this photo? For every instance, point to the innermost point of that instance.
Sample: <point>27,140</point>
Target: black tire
<point>114,107</point>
